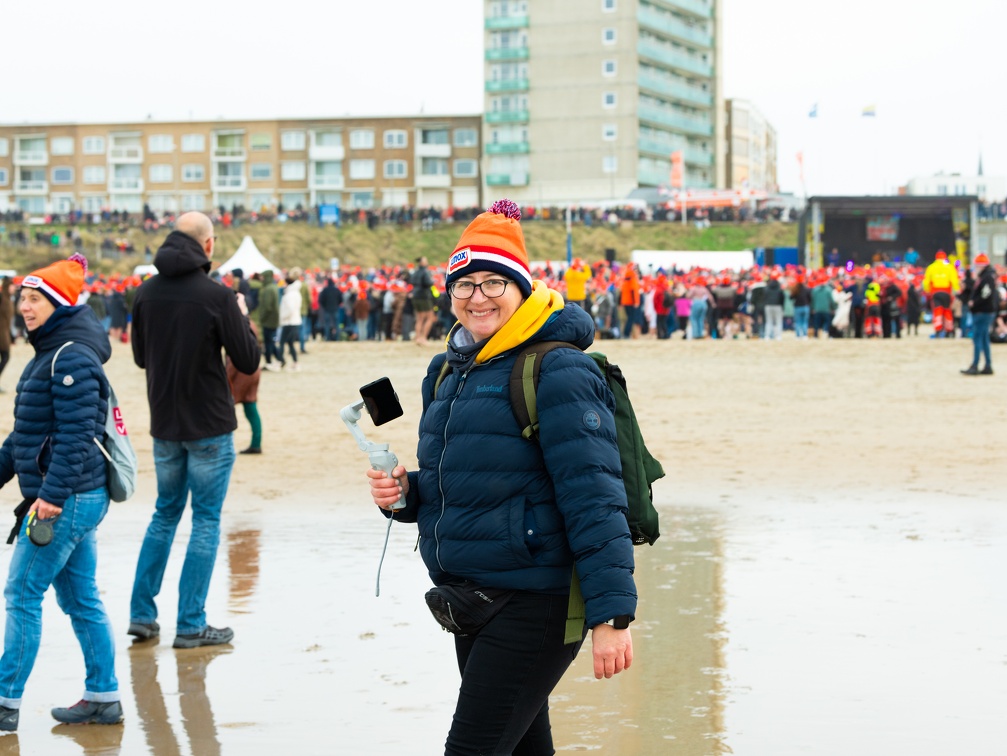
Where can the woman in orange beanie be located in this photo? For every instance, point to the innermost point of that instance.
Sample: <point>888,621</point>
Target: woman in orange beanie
<point>60,409</point>
<point>508,519</point>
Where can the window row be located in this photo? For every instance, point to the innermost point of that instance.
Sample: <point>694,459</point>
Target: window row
<point>289,171</point>
<point>290,141</point>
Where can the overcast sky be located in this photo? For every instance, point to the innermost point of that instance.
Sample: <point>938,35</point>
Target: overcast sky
<point>935,78</point>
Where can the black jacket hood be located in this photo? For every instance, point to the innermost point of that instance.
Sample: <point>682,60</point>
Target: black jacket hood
<point>179,255</point>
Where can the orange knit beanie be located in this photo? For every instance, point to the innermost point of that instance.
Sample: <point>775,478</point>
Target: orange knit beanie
<point>494,242</point>
<point>60,282</point>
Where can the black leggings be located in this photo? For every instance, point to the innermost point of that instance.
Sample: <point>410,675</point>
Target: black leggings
<point>289,334</point>
<point>508,671</point>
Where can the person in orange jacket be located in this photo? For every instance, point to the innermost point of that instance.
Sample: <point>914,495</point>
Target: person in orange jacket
<point>629,298</point>
<point>940,283</point>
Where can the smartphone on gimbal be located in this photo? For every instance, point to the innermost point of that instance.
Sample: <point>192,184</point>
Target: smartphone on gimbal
<point>381,401</point>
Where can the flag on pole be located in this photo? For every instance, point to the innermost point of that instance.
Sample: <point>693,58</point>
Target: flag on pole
<point>676,179</point>
<point>800,163</point>
<point>869,111</point>
<point>813,113</point>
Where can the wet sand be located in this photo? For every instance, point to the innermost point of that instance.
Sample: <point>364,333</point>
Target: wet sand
<point>828,581</point>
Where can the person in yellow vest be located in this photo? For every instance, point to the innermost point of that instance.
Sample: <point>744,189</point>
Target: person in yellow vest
<point>576,278</point>
<point>872,320</point>
<point>940,283</point>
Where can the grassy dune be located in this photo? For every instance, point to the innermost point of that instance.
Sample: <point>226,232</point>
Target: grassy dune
<point>309,246</point>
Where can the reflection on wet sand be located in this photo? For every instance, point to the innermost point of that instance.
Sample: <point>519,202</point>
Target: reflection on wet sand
<point>671,699</point>
<point>96,740</point>
<point>151,706</point>
<point>243,560</point>
<point>10,745</point>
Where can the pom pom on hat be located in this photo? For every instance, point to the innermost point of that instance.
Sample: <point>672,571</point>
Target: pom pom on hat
<point>493,242</point>
<point>61,282</point>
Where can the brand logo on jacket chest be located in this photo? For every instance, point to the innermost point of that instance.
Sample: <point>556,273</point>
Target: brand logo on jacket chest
<point>489,389</point>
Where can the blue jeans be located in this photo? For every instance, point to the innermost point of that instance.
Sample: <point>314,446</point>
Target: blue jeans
<point>981,324</point>
<point>801,317</point>
<point>697,316</point>
<point>68,564</point>
<point>203,467</point>
<point>508,670</point>
<point>632,318</point>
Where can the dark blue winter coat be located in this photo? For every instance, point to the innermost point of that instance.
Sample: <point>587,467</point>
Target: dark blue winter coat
<point>506,512</point>
<point>57,417</point>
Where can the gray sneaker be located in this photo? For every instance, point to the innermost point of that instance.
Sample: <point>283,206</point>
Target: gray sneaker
<point>208,636</point>
<point>8,719</point>
<point>90,712</point>
<point>144,630</point>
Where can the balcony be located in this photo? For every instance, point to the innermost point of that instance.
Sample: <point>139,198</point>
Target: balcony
<point>655,146</point>
<point>507,116</point>
<point>695,7</point>
<point>433,150</point>
<point>672,58</point>
<point>507,85</point>
<point>31,187</point>
<point>507,179</point>
<point>670,119</point>
<point>697,157</point>
<point>507,22</point>
<point>508,148</point>
<point>128,184</point>
<point>507,53</point>
<point>31,157</point>
<point>229,183</point>
<point>228,154</point>
<point>326,182</point>
<point>669,25</point>
<point>326,152</point>
<point>125,154</point>
<point>433,181</point>
<point>674,89</point>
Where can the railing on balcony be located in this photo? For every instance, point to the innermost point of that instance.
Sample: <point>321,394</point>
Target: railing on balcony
<point>695,7</point>
<point>327,182</point>
<point>507,53</point>
<point>31,187</point>
<point>507,22</point>
<point>679,90</point>
<point>667,55</point>
<point>673,27</point>
<point>229,183</point>
<point>128,184</point>
<point>31,157</point>
<point>229,153</point>
<point>508,148</point>
<point>669,118</point>
<point>507,179</point>
<point>126,154</point>
<point>507,116</point>
<point>433,180</point>
<point>507,85</point>
<point>326,152</point>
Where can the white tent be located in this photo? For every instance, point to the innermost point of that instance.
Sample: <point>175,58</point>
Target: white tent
<point>248,258</point>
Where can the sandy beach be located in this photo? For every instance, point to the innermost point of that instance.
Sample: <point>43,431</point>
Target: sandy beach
<point>828,580</point>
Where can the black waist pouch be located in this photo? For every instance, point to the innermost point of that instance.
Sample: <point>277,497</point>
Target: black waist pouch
<point>464,608</point>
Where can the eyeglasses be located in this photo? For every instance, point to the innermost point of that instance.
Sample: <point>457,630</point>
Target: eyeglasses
<point>491,288</point>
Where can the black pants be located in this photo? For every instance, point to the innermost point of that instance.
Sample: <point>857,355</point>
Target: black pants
<point>508,671</point>
<point>269,345</point>
<point>289,334</point>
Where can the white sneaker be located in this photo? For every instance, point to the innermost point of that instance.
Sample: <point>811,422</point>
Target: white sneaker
<point>272,367</point>
<point>293,367</point>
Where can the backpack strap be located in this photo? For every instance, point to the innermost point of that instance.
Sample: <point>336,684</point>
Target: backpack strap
<point>52,367</point>
<point>445,369</point>
<point>524,384</point>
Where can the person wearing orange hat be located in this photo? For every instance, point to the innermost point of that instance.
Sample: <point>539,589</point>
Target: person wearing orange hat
<point>940,283</point>
<point>984,304</point>
<point>511,517</point>
<point>62,399</point>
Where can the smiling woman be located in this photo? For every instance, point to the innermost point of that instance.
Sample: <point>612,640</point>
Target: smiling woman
<point>509,522</point>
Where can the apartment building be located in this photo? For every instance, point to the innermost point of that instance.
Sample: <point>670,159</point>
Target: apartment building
<point>178,166</point>
<point>590,104</point>
<point>751,148</point>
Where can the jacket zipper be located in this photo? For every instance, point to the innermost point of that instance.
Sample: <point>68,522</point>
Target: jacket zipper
<point>440,462</point>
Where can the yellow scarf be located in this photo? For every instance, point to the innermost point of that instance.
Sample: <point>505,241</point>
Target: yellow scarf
<point>525,323</point>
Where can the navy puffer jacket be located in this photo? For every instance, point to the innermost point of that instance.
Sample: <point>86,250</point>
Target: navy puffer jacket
<point>56,419</point>
<point>505,512</point>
